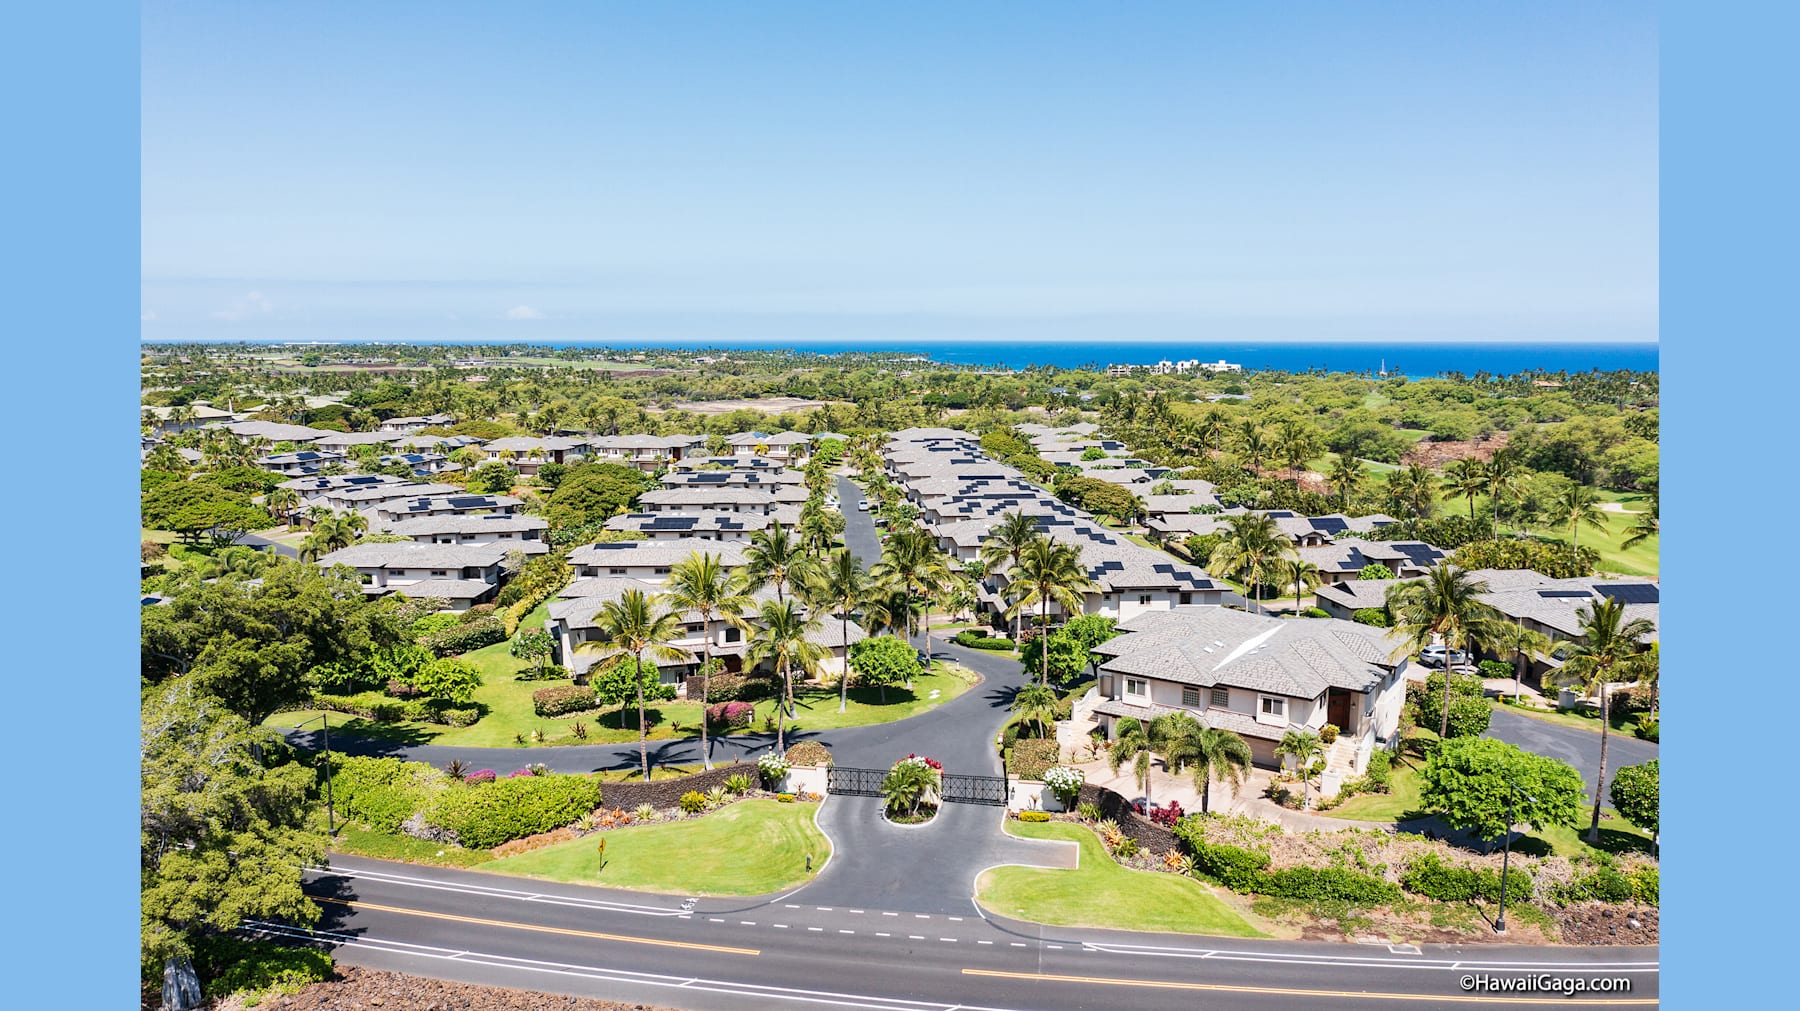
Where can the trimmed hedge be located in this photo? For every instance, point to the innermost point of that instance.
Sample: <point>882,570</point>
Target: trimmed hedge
<point>1605,884</point>
<point>379,792</point>
<point>1431,877</point>
<point>730,715</point>
<point>1376,616</point>
<point>975,640</point>
<point>486,815</point>
<point>470,635</point>
<point>808,753</point>
<point>563,699</point>
<point>383,709</point>
<point>1032,756</point>
<point>731,688</point>
<point>1034,816</point>
<point>1245,870</point>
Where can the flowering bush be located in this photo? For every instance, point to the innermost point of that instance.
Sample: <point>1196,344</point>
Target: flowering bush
<point>911,784</point>
<point>516,773</point>
<point>773,766</point>
<point>1167,815</point>
<point>932,762</point>
<point>1064,782</point>
<point>730,715</point>
<point>481,776</point>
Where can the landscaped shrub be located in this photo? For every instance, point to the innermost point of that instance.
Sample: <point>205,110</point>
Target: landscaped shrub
<point>1232,866</point>
<point>470,635</point>
<point>1328,734</point>
<point>693,802</point>
<point>1646,884</point>
<point>231,965</point>
<point>379,792</point>
<point>1031,757</point>
<point>1603,884</point>
<point>480,776</point>
<point>382,709</point>
<point>739,784</point>
<point>735,687</point>
<point>1087,810</point>
<point>1495,669</point>
<point>808,753</point>
<point>1326,883</point>
<point>1315,612</point>
<point>432,624</point>
<point>1126,848</point>
<point>487,814</point>
<point>785,798</point>
<point>772,767</point>
<point>1648,729</point>
<point>1064,783</point>
<point>563,699</point>
<point>1034,816</point>
<point>975,640</point>
<point>1431,877</point>
<point>1167,815</point>
<point>730,715</point>
<point>1376,616</point>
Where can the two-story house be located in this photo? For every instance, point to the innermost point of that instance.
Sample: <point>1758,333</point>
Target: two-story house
<point>461,574</point>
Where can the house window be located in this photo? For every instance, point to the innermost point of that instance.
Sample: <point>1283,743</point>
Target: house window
<point>1144,600</point>
<point>1187,598</point>
<point>1136,686</point>
<point>440,572</point>
<point>662,571</point>
<point>615,572</point>
<point>1221,698</point>
<point>1272,706</point>
<point>695,626</point>
<point>733,634</point>
<point>1190,697</point>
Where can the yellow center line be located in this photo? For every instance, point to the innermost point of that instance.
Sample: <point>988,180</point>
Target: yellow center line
<point>1546,998</point>
<point>692,946</point>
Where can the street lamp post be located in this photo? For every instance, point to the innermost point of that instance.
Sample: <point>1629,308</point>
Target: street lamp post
<point>330,811</point>
<point>1506,857</point>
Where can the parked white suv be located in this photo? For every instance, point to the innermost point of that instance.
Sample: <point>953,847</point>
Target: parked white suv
<point>1433,656</point>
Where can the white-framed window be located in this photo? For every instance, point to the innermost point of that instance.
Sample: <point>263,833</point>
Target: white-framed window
<point>1272,705</point>
<point>1143,600</point>
<point>615,572</point>
<point>440,572</point>
<point>733,633</point>
<point>1221,698</point>
<point>1137,686</point>
<point>1190,697</point>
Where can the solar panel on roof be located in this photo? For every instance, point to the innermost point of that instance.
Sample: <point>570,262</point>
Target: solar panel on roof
<point>1632,593</point>
<point>1329,524</point>
<point>1564,593</point>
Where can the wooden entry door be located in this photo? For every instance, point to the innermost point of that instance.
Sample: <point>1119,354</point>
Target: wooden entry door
<point>1337,709</point>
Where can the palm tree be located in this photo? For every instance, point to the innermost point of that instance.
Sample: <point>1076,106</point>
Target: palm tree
<point>1298,443</point>
<point>1504,478</point>
<point>637,624</point>
<point>1210,429</point>
<point>1254,445</point>
<point>1578,506</point>
<point>1467,477</point>
<point>1610,649</point>
<point>1048,570</point>
<point>817,531</point>
<point>1299,574</point>
<point>780,631</point>
<point>702,584</point>
<point>1647,525</point>
<point>1305,748</point>
<point>911,560</point>
<point>1252,546</point>
<point>1444,606</point>
<point>1410,491</point>
<point>1513,639</point>
<point>1211,752</point>
<point>842,586</point>
<point>1005,544</point>
<point>774,558</point>
<point>1037,703</point>
<point>1132,743</point>
<point>283,502</point>
<point>1347,476</point>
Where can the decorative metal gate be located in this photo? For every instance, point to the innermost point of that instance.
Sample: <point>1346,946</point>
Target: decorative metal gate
<point>989,790</point>
<point>854,782</point>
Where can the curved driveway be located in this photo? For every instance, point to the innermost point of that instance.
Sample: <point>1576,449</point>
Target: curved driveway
<point>1578,747</point>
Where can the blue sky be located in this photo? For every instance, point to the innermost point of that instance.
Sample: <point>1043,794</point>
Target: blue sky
<point>691,172</point>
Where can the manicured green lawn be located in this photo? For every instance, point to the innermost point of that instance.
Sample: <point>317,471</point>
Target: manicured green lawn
<point>510,714</point>
<point>1401,800</point>
<point>1641,559</point>
<point>1100,893</point>
<point>751,848</point>
<point>358,841</point>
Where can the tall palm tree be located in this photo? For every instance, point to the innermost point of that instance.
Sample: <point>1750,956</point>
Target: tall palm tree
<point>1504,479</point>
<point>283,502</point>
<point>1467,477</point>
<point>1132,743</point>
<point>816,531</point>
<point>1411,491</point>
<point>1647,525</point>
<point>1305,748</point>
<point>1578,506</point>
<point>1005,544</point>
<point>1211,752</point>
<point>1444,606</point>
<point>1300,575</point>
<point>780,631</point>
<point>1513,639</point>
<point>842,586</point>
<point>1048,571</point>
<point>1610,649</point>
<point>1037,703</point>
<point>701,583</point>
<point>1210,429</point>
<point>637,623</point>
<point>1298,443</point>
<point>1253,544</point>
<point>911,560</point>
<point>1347,477</point>
<point>774,558</point>
<point>1253,444</point>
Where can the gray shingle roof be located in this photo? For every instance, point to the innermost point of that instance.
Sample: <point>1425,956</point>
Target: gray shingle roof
<point>1208,646</point>
<point>416,555</point>
<point>657,554</point>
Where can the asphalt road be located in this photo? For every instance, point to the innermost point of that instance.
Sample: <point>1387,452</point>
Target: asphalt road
<point>1580,748</point>
<point>253,541</point>
<point>792,951</point>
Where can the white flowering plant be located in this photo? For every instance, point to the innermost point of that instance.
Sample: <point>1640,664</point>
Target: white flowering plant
<point>773,766</point>
<point>1064,782</point>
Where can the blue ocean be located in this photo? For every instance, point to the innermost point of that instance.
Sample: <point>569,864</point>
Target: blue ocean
<point>1409,359</point>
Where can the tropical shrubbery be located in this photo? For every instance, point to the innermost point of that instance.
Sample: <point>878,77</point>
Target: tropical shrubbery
<point>808,753</point>
<point>1376,616</point>
<point>911,787</point>
<point>470,635</point>
<point>1032,757</point>
<point>735,687</point>
<point>484,816</point>
<point>1064,783</point>
<point>1552,558</point>
<point>563,699</point>
<point>232,964</point>
<point>773,768</point>
<point>1034,816</point>
<point>730,715</point>
<point>383,708</point>
<point>975,640</point>
<point>1431,877</point>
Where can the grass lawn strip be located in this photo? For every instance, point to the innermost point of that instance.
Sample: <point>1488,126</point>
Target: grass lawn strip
<point>1100,893</point>
<point>755,847</point>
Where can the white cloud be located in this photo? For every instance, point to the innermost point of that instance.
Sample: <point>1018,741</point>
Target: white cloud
<point>251,304</point>
<point>523,312</point>
<point>147,315</point>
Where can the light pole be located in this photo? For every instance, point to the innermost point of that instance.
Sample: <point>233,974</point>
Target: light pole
<point>330,811</point>
<point>1506,857</point>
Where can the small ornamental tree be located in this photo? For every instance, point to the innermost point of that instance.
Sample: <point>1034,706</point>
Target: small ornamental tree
<point>535,644</point>
<point>451,679</point>
<point>616,683</point>
<point>1067,661</point>
<point>773,766</point>
<point>883,660</point>
<point>1635,793</point>
<point>1065,784</point>
<point>1470,782</point>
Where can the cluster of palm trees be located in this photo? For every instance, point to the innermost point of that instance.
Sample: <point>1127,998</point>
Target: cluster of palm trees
<point>1257,553</point>
<point>1039,571</point>
<point>1446,607</point>
<point>1185,744</point>
<point>330,531</point>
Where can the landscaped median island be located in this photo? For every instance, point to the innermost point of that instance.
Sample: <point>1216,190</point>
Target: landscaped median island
<point>703,833</point>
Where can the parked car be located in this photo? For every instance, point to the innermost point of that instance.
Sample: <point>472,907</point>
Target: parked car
<point>862,506</point>
<point>1433,656</point>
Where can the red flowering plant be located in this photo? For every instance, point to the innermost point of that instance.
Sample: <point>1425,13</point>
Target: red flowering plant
<point>934,763</point>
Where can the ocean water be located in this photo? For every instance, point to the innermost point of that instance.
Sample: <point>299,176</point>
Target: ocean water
<point>1410,359</point>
